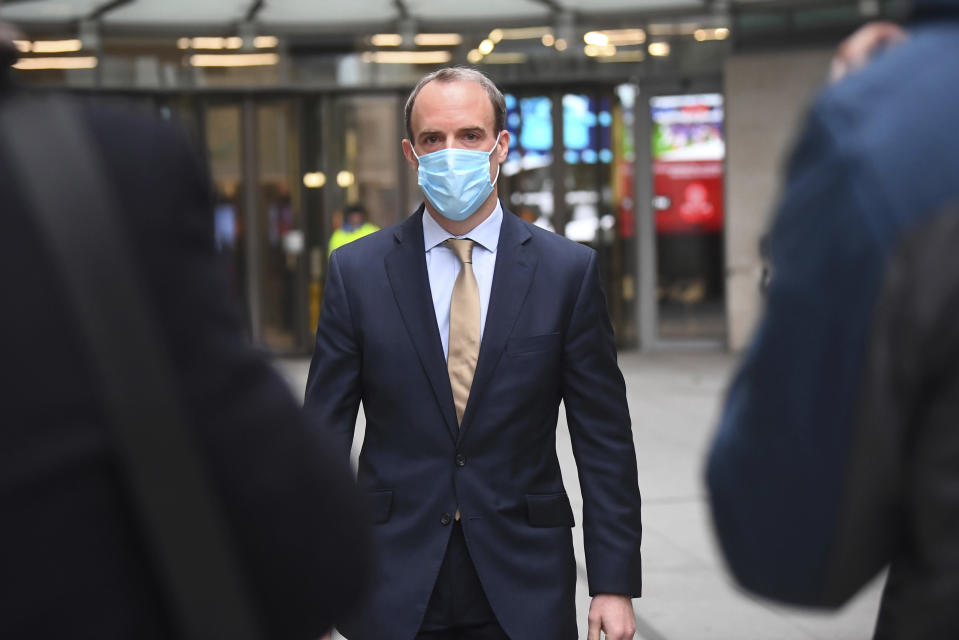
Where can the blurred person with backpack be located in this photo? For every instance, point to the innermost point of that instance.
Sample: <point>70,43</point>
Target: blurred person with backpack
<point>837,452</point>
<point>85,548</point>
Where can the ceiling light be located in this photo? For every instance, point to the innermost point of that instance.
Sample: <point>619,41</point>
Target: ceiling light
<point>711,34</point>
<point>77,62</point>
<point>233,43</point>
<point>234,60</point>
<point>22,45</point>
<point>595,51</point>
<point>345,179</point>
<point>208,43</point>
<point>387,40</point>
<point>625,37</point>
<point>486,46</point>
<point>560,44</point>
<point>407,57</point>
<point>596,38</point>
<point>314,179</point>
<point>659,49</point>
<point>474,56</point>
<point>266,42</point>
<point>183,43</point>
<point>548,40</point>
<point>438,39</point>
<point>56,46</point>
<point>496,35</point>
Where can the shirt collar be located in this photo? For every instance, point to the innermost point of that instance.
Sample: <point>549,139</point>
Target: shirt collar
<point>486,233</point>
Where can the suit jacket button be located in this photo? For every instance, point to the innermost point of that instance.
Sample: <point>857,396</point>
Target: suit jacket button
<point>460,460</point>
<point>445,519</point>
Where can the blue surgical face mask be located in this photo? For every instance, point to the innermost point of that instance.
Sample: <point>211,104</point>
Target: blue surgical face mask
<point>456,181</point>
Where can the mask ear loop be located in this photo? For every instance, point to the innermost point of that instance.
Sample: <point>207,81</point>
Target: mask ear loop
<point>489,153</point>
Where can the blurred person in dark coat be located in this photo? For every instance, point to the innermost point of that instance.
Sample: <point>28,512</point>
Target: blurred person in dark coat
<point>838,448</point>
<point>73,561</point>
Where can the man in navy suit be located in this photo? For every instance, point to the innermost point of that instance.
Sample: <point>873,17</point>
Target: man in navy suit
<point>837,450</point>
<point>472,524</point>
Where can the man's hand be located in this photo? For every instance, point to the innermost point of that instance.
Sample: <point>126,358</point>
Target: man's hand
<point>612,614</point>
<point>858,49</point>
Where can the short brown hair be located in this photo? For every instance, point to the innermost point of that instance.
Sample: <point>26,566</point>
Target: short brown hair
<point>460,74</point>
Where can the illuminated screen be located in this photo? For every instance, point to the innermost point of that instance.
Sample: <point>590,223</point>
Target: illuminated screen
<point>587,129</point>
<point>537,123</point>
<point>578,119</point>
<point>688,153</point>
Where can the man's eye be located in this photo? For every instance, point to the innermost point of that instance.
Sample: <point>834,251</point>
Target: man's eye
<point>472,136</point>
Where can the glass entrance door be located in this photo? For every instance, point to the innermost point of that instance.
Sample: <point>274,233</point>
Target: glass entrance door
<point>570,170</point>
<point>687,161</point>
<point>281,241</point>
<point>254,157</point>
<point>223,131</point>
<point>527,177</point>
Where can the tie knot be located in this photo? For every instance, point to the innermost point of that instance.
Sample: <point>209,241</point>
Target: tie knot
<point>463,248</point>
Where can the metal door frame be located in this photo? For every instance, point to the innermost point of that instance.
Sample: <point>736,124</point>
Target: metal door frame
<point>648,313</point>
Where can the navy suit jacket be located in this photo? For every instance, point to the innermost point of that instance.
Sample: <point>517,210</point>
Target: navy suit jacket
<point>547,339</point>
<point>806,472</point>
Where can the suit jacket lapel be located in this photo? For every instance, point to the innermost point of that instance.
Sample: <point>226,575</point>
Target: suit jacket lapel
<point>512,275</point>
<point>406,270</point>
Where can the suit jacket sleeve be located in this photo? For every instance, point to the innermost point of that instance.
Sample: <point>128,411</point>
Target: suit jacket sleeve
<point>778,464</point>
<point>333,390</point>
<point>594,394</point>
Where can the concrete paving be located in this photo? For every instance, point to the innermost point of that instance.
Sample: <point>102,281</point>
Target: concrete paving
<point>674,398</point>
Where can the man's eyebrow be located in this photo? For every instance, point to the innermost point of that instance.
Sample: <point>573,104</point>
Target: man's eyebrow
<point>460,131</point>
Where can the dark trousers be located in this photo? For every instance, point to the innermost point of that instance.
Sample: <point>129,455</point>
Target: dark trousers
<point>458,608</point>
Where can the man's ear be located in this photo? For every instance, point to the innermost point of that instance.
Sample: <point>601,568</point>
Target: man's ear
<point>502,146</point>
<point>408,152</point>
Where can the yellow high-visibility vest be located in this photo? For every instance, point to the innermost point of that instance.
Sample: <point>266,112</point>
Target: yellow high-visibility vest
<point>342,236</point>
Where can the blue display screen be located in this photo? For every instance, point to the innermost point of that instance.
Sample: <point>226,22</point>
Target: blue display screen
<point>530,125</point>
<point>537,118</point>
<point>578,119</point>
<point>587,128</point>
<point>587,123</point>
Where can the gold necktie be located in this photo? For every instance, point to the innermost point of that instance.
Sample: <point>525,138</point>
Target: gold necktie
<point>464,338</point>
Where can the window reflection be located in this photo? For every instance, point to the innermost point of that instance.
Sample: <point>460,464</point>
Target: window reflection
<point>587,152</point>
<point>279,227</point>
<point>528,167</point>
<point>224,150</point>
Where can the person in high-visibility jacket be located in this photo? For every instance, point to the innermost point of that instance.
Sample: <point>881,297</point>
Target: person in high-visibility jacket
<point>355,225</point>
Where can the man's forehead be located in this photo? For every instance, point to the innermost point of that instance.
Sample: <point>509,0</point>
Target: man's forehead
<point>463,98</point>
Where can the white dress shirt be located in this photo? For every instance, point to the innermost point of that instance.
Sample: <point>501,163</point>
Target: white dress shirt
<point>443,266</point>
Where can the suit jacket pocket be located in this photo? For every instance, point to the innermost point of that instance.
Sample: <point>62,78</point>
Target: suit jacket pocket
<point>381,505</point>
<point>533,344</point>
<point>550,510</point>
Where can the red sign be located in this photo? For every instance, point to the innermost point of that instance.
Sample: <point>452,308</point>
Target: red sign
<point>689,196</point>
